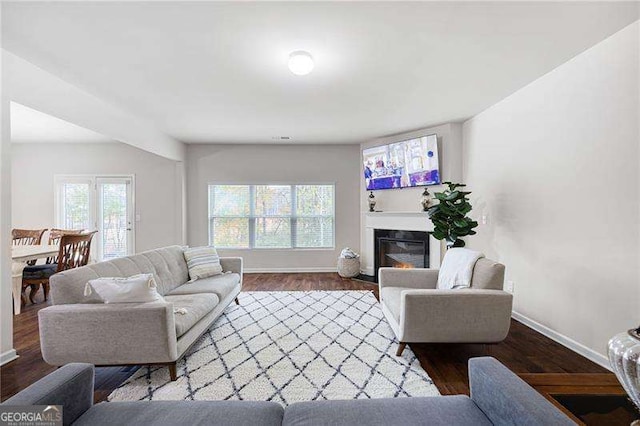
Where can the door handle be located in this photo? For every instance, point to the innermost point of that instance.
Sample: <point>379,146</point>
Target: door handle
<point>128,229</point>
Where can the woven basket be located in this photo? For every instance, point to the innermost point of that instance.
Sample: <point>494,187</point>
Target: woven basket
<point>348,268</point>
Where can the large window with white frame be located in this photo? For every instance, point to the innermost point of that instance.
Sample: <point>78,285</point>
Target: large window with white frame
<point>272,216</point>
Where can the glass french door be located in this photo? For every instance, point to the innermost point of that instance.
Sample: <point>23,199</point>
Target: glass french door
<point>115,217</point>
<point>102,203</point>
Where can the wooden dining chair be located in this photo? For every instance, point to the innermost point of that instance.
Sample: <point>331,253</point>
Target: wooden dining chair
<point>54,239</point>
<point>73,252</point>
<point>56,233</point>
<point>36,275</point>
<point>27,237</point>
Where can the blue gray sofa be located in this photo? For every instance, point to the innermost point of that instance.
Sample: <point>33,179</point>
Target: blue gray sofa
<point>498,397</point>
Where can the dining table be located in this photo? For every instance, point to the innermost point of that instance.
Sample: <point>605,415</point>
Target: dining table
<point>20,255</point>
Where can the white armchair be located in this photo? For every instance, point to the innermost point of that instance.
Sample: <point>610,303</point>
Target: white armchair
<point>418,312</point>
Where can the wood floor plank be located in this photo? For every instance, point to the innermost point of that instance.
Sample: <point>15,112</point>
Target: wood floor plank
<point>524,350</point>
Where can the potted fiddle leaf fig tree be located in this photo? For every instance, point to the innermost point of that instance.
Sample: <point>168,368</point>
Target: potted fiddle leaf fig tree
<point>449,216</point>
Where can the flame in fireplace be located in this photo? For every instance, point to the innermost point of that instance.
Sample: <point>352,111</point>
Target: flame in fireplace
<point>403,265</point>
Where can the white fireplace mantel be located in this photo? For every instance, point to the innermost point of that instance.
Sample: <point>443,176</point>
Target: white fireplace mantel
<point>404,221</point>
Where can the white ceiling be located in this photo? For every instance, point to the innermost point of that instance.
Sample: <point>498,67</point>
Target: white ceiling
<point>31,126</point>
<point>216,72</point>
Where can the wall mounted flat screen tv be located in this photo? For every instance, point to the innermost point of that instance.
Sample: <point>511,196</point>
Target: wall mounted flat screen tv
<point>413,162</point>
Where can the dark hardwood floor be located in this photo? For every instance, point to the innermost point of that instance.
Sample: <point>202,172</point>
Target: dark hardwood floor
<point>524,350</point>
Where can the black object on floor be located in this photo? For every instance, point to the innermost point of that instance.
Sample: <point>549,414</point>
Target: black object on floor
<point>610,410</point>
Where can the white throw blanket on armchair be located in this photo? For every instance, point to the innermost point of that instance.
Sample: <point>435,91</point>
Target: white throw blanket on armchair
<point>457,268</point>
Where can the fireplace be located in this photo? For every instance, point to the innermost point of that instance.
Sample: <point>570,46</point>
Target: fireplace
<point>401,249</point>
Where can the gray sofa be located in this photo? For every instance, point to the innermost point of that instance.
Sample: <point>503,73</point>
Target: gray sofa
<point>79,328</point>
<point>498,397</point>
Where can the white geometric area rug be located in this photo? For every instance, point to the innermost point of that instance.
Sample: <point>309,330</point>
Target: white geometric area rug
<point>288,347</point>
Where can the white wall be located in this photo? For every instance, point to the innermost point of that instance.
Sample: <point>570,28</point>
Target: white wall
<point>156,178</point>
<point>555,168</point>
<point>277,164</point>
<point>408,199</point>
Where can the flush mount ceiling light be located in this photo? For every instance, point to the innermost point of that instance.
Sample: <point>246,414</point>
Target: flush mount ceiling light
<point>300,62</point>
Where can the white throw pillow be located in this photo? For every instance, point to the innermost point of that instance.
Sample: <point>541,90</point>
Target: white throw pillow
<point>202,262</point>
<point>136,289</point>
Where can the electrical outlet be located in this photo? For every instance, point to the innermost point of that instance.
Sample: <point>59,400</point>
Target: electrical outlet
<point>510,287</point>
<point>484,219</point>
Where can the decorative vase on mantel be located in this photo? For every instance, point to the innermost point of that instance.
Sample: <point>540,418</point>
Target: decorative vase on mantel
<point>425,200</point>
<point>372,202</point>
<point>624,355</point>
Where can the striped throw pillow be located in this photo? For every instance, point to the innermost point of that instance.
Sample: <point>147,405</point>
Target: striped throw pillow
<point>202,262</point>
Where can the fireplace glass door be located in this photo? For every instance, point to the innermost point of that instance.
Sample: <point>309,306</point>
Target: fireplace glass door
<point>400,249</point>
<point>397,253</point>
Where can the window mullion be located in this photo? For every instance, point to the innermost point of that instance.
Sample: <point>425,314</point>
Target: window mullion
<point>212,216</point>
<point>294,217</point>
<point>252,216</point>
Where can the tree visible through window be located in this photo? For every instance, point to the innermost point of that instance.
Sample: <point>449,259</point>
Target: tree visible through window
<point>271,216</point>
<point>314,223</point>
<point>114,220</point>
<point>75,205</point>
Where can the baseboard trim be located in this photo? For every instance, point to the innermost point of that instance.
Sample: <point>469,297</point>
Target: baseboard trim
<point>288,270</point>
<point>565,341</point>
<point>8,356</point>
